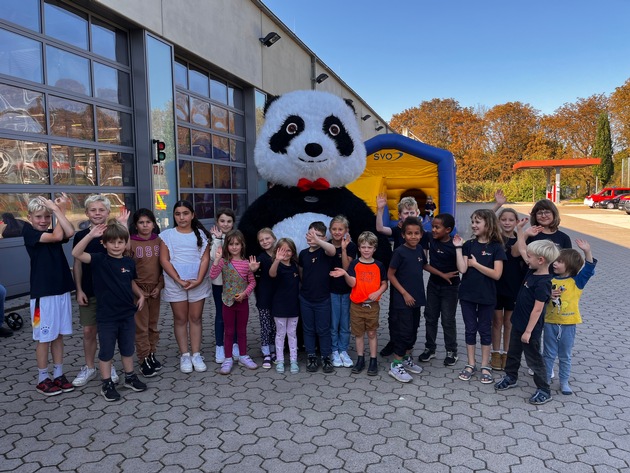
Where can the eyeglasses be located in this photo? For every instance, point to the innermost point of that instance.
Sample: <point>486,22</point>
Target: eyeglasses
<point>544,213</point>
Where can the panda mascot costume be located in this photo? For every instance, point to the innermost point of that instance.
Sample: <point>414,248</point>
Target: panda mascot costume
<point>309,148</point>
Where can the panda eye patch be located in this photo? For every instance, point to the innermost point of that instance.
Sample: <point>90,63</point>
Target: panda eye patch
<point>334,130</point>
<point>292,128</point>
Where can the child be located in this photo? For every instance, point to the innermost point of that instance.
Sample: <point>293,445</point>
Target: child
<point>507,289</point>
<point>285,301</point>
<point>113,276</point>
<point>480,260</point>
<point>407,207</point>
<point>238,284</point>
<point>264,292</point>
<point>144,248</point>
<point>544,220</point>
<point>225,219</point>
<point>315,263</point>
<point>407,295</point>
<point>345,252</point>
<point>51,283</point>
<point>97,209</point>
<point>184,259</point>
<point>442,290</point>
<point>429,207</point>
<point>368,280</point>
<point>527,321</point>
<point>563,311</point>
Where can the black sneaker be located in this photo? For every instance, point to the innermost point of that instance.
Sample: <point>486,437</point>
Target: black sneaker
<point>451,358</point>
<point>327,365</point>
<point>388,349</point>
<point>311,365</point>
<point>157,366</point>
<point>426,355</point>
<point>109,391</point>
<point>147,369</point>
<point>133,382</point>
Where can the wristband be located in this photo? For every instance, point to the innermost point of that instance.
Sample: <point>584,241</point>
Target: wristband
<point>457,246</point>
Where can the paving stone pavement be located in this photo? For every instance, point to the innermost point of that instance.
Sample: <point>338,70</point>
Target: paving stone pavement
<point>260,420</point>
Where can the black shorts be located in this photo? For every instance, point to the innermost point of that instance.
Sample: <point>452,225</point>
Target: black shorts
<point>504,303</point>
<point>122,331</point>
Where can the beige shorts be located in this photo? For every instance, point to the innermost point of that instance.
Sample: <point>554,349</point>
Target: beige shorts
<point>173,292</point>
<point>364,317</point>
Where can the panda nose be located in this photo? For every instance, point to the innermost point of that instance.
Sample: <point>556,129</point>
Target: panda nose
<point>313,149</point>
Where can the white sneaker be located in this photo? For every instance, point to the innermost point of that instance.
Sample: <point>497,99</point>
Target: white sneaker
<point>114,375</point>
<point>197,362</point>
<point>185,363</point>
<point>219,354</point>
<point>336,360</point>
<point>84,376</point>
<point>410,365</point>
<point>226,366</point>
<point>235,353</point>
<point>346,360</point>
<point>247,362</point>
<point>398,372</point>
<point>530,371</point>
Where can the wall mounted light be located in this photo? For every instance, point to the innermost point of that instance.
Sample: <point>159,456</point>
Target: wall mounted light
<point>321,78</point>
<point>379,128</point>
<point>366,116</point>
<point>270,39</point>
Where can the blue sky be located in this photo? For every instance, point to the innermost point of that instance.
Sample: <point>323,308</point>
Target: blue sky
<point>397,54</point>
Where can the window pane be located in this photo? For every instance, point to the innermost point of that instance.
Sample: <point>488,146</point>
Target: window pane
<point>239,204</point>
<point>187,196</point>
<point>237,124</point>
<point>116,168</point>
<point>203,176</point>
<point>235,98</point>
<point>68,71</point>
<point>222,177</point>
<point>111,84</point>
<point>24,13</point>
<point>73,166</point>
<point>221,148</point>
<point>23,162</point>
<point>239,178</point>
<point>223,200</point>
<point>201,144</point>
<point>185,173</point>
<point>181,75</point>
<point>181,102</point>
<point>114,127</point>
<point>183,140</point>
<point>219,119</point>
<point>14,213</point>
<point>66,25</point>
<point>118,201</point>
<point>260,99</point>
<point>237,150</point>
<point>20,57</point>
<point>204,207</point>
<point>21,110</point>
<point>198,82</point>
<point>70,118</point>
<point>200,112</point>
<point>218,90</point>
<point>109,42</point>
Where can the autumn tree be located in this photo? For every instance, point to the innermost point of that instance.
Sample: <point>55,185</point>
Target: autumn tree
<point>603,149</point>
<point>619,106</point>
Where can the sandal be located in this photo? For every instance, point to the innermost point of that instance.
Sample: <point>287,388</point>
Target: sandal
<point>486,378</point>
<point>266,362</point>
<point>467,372</point>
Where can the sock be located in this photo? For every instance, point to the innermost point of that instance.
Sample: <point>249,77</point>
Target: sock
<point>128,375</point>
<point>43,375</point>
<point>105,381</point>
<point>196,354</point>
<point>57,371</point>
<point>186,354</point>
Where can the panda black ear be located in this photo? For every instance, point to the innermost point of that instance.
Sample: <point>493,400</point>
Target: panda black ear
<point>350,104</point>
<point>270,99</point>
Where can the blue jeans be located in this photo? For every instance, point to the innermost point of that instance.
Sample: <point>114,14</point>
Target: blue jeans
<point>316,322</point>
<point>340,322</point>
<point>558,342</point>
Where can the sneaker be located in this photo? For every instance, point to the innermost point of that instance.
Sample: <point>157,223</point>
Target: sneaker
<point>388,349</point>
<point>327,366</point>
<point>62,383</point>
<point>410,365</point>
<point>398,372</point>
<point>185,363</point>
<point>197,362</point>
<point>157,366</point>
<point>219,354</point>
<point>48,388</point>
<point>540,397</point>
<point>114,375</point>
<point>84,376</point>
<point>346,360</point>
<point>295,368</point>
<point>226,366</point>
<point>235,353</point>
<point>506,383</point>
<point>311,365</point>
<point>336,360</point>
<point>133,382</point>
<point>147,369</point>
<point>451,358</point>
<point>247,362</point>
<point>266,362</point>
<point>426,355</point>
<point>280,367</point>
<point>109,391</point>
<point>530,371</point>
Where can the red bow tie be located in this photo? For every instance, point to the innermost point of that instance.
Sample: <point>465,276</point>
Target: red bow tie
<point>318,185</point>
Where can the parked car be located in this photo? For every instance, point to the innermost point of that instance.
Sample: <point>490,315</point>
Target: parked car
<point>609,203</point>
<point>606,193</point>
<point>624,204</point>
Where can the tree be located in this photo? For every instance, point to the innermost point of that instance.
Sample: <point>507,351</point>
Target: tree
<point>619,105</point>
<point>603,149</point>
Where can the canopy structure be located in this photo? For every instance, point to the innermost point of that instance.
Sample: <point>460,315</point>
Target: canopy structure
<point>553,191</point>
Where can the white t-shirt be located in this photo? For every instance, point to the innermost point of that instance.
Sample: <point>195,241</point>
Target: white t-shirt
<point>185,255</point>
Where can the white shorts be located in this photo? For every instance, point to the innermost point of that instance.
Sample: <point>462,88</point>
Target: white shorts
<point>173,292</point>
<point>53,317</point>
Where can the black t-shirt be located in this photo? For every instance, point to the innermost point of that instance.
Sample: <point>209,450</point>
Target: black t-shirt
<point>112,279</point>
<point>286,289</point>
<point>408,263</point>
<point>399,240</point>
<point>561,239</point>
<point>534,288</point>
<point>476,287</point>
<point>443,257</point>
<point>94,246</point>
<point>264,282</point>
<point>338,285</point>
<point>50,272</point>
<point>316,266</point>
<point>514,270</point>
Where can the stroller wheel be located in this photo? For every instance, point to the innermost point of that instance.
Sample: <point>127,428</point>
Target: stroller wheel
<point>14,321</point>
